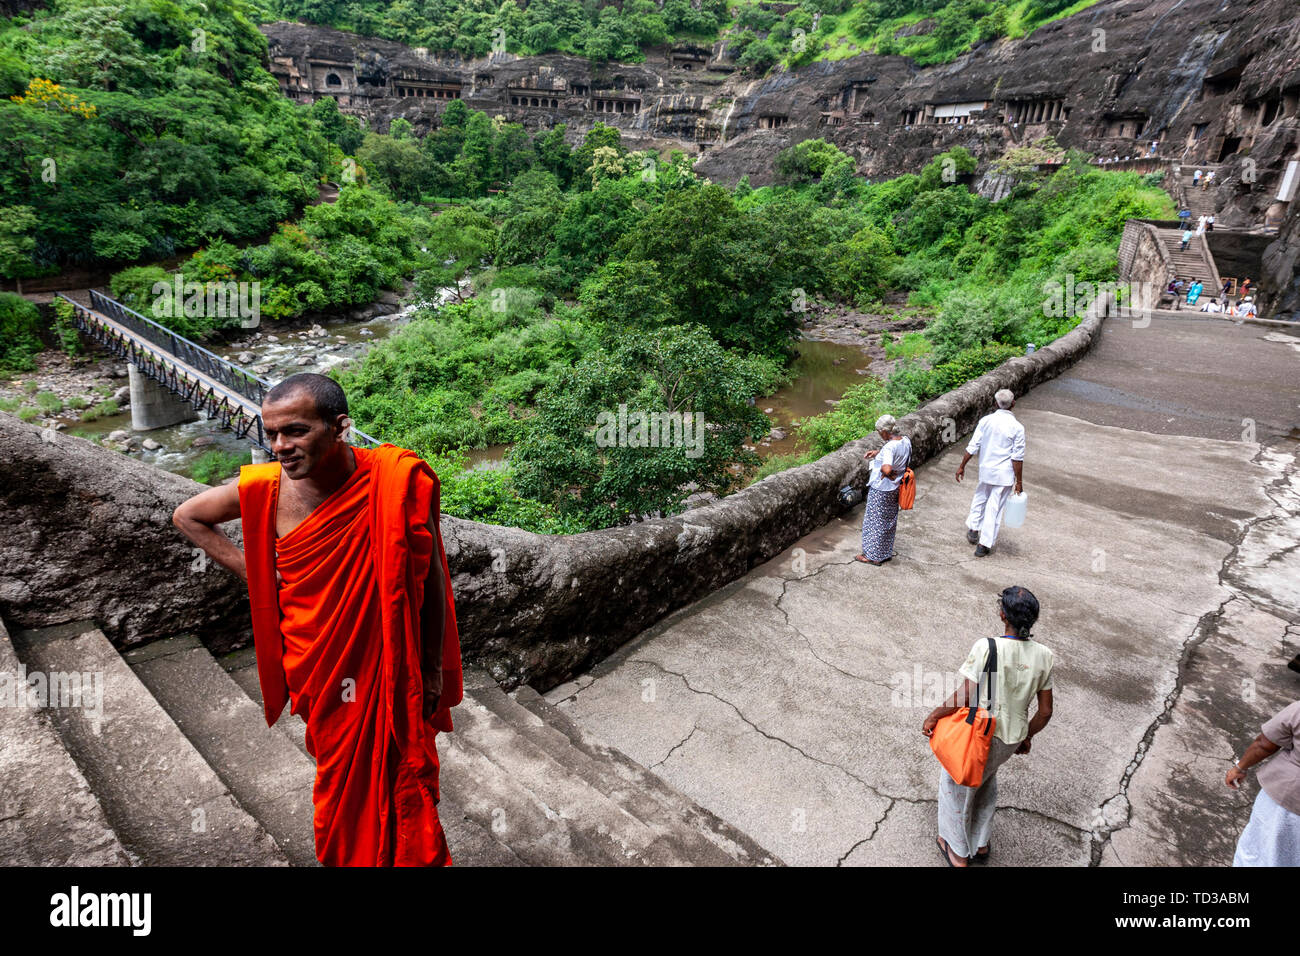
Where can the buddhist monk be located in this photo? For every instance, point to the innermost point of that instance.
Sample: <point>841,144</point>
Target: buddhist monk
<point>354,623</point>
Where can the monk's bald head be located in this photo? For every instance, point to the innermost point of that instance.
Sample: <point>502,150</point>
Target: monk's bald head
<point>326,394</point>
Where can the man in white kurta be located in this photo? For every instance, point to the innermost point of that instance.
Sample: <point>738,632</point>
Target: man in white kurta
<point>999,440</point>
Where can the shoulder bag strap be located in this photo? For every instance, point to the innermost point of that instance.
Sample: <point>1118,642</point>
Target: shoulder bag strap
<point>990,668</point>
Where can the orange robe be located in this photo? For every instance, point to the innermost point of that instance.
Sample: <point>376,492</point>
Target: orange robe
<point>340,639</point>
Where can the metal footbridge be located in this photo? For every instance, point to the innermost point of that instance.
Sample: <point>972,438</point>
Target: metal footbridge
<point>214,387</point>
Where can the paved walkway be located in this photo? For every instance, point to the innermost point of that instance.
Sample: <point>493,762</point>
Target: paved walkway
<point>1161,543</point>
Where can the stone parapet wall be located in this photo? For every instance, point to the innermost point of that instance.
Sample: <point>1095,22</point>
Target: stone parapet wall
<point>1144,262</point>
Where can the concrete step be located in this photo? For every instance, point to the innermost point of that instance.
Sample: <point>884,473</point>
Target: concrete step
<point>639,791</point>
<point>561,811</point>
<point>517,792</point>
<point>738,846</point>
<point>167,806</point>
<point>270,777</point>
<point>48,814</point>
<point>689,845</point>
<point>470,843</point>
<point>535,832</point>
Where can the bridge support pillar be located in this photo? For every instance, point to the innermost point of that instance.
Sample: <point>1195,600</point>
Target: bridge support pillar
<point>260,457</point>
<point>153,406</point>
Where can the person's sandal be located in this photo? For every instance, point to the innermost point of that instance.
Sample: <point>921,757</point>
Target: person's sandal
<point>866,560</point>
<point>945,852</point>
<point>982,858</point>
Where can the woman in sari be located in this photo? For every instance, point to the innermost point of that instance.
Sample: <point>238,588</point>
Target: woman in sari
<point>880,517</point>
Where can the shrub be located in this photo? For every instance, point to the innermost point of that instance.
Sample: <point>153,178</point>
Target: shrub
<point>913,345</point>
<point>103,410</point>
<point>19,336</point>
<point>65,329</point>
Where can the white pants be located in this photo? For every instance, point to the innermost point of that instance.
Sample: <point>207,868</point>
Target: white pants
<point>986,511</point>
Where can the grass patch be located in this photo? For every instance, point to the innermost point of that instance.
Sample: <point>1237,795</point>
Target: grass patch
<point>779,463</point>
<point>213,467</point>
<point>49,403</point>
<point>912,345</point>
<point>103,410</point>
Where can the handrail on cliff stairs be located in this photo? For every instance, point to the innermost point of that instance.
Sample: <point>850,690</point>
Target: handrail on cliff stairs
<point>181,354</point>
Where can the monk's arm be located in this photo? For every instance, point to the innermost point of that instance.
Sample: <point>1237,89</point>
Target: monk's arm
<point>433,615</point>
<point>198,518</point>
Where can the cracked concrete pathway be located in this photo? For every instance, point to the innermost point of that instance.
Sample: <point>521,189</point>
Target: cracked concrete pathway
<point>1162,542</point>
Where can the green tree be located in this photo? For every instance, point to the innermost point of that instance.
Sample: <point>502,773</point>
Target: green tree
<point>575,460</point>
<point>460,241</point>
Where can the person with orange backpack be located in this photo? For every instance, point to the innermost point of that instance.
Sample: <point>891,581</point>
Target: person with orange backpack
<point>889,473</point>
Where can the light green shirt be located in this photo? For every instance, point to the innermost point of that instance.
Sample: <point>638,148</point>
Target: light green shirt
<point>1024,668</point>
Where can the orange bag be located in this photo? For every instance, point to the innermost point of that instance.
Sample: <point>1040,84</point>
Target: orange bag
<point>961,740</point>
<point>907,491</point>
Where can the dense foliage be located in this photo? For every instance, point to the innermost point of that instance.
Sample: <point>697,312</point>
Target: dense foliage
<point>138,128</point>
<point>560,283</point>
<point>931,31</point>
<point>590,260</point>
<point>19,333</point>
<point>599,30</point>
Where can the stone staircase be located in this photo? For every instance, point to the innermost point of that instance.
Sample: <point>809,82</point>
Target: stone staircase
<point>178,767</point>
<point>1196,262</point>
<point>1201,202</point>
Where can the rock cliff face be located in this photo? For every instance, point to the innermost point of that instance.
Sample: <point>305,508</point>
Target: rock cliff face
<point>1215,83</point>
<point>1210,80</point>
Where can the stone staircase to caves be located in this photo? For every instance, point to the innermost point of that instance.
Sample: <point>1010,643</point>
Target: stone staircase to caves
<point>178,767</point>
<point>1196,262</point>
<point>1200,202</point>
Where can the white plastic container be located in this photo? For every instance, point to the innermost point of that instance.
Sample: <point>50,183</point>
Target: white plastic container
<point>1016,509</point>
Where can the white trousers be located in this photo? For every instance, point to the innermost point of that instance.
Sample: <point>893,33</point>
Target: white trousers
<point>986,511</point>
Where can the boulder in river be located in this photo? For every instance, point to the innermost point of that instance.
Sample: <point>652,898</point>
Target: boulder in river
<point>243,358</point>
<point>119,434</point>
<point>203,441</point>
<point>151,445</point>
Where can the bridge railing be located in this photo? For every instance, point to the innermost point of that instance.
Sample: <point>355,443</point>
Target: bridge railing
<point>177,347</point>
<point>191,353</point>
